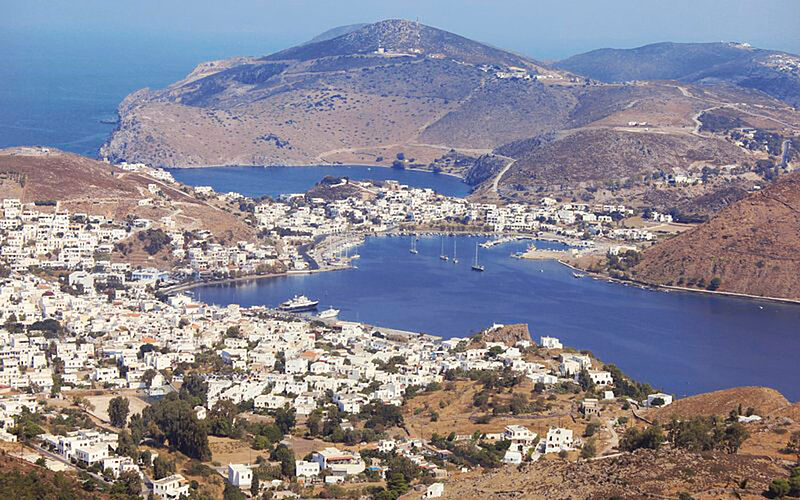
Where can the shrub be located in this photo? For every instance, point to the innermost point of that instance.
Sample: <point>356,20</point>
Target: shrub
<point>779,488</point>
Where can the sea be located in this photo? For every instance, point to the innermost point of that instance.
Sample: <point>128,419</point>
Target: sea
<point>62,91</point>
<point>683,343</point>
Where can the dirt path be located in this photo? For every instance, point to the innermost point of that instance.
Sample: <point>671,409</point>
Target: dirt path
<point>613,443</point>
<point>500,174</point>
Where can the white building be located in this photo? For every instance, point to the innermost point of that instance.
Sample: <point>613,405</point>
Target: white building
<point>666,398</point>
<point>601,377</point>
<point>435,490</point>
<point>558,439</point>
<point>240,475</point>
<point>550,343</point>
<point>340,463</point>
<point>306,469</point>
<point>171,487</point>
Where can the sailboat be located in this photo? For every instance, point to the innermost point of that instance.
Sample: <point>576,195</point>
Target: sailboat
<point>414,246</point>
<point>475,265</point>
<point>455,259</point>
<point>442,255</point>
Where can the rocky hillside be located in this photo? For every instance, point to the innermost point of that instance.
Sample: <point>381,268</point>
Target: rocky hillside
<point>764,400</point>
<point>751,247</point>
<point>363,95</point>
<point>507,334</point>
<point>24,481</point>
<point>639,475</point>
<point>80,184</point>
<point>772,72</point>
<point>367,93</point>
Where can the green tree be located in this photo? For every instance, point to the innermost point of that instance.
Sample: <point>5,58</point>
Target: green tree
<point>735,435</point>
<point>255,486</point>
<point>125,445</point>
<point>128,483</point>
<point>173,419</point>
<point>285,419</point>
<point>163,468</point>
<point>231,492</point>
<point>794,485</point>
<point>397,484</point>
<point>314,424</point>
<point>195,388</point>
<point>285,456</point>
<point>589,449</point>
<point>793,446</point>
<point>118,409</point>
<point>650,438</point>
<point>222,418</point>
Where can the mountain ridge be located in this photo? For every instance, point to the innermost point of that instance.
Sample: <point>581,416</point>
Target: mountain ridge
<point>773,72</point>
<point>397,88</point>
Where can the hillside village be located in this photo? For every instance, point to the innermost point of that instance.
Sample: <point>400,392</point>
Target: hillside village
<point>297,233</point>
<point>60,340</point>
<point>78,320</point>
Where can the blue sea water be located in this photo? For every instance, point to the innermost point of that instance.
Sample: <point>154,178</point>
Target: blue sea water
<point>683,343</point>
<point>56,89</point>
<point>274,181</point>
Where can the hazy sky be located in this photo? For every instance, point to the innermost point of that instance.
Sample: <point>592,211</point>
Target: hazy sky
<point>543,29</point>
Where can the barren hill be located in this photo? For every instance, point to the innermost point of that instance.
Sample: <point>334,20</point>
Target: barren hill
<point>642,474</point>
<point>365,93</point>
<point>751,247</point>
<point>764,400</point>
<point>772,72</point>
<point>80,184</point>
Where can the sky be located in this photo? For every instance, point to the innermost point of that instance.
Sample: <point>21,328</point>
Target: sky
<point>544,29</point>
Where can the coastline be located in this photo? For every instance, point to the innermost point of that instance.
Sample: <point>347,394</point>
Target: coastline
<point>657,287</point>
<point>182,287</point>
<point>292,165</point>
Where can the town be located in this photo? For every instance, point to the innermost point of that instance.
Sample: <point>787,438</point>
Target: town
<point>296,233</point>
<point>65,345</point>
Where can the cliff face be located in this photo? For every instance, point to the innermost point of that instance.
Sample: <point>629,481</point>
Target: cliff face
<point>751,247</point>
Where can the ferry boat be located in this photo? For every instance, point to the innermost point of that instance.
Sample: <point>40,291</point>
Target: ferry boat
<point>329,313</point>
<point>299,303</point>
<point>475,266</point>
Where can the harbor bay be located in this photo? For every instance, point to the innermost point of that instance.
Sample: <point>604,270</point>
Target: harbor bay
<point>683,343</point>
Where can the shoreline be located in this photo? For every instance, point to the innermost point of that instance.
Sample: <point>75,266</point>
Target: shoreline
<point>658,287</point>
<point>321,165</point>
<point>171,290</point>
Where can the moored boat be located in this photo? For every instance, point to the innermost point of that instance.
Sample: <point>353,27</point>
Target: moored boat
<point>299,303</point>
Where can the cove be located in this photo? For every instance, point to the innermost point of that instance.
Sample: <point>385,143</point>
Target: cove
<point>681,342</point>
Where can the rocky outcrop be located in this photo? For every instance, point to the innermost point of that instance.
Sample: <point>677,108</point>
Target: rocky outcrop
<point>508,334</point>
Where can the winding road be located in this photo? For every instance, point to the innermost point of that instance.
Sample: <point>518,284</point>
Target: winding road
<point>500,174</point>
